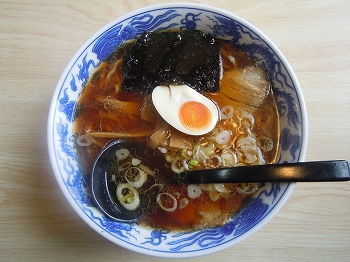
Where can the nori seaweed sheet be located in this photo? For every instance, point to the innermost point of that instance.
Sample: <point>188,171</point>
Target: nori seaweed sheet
<point>161,58</point>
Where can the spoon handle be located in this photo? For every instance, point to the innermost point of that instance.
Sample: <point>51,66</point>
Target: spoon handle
<point>318,171</point>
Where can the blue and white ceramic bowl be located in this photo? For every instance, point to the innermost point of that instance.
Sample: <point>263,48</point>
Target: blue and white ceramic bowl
<point>65,161</point>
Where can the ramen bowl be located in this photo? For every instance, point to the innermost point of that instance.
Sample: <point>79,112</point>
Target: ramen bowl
<point>66,162</point>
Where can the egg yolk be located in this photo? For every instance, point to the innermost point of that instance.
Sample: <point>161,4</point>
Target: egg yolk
<point>194,115</point>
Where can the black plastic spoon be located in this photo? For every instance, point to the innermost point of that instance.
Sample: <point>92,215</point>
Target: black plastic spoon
<point>319,171</point>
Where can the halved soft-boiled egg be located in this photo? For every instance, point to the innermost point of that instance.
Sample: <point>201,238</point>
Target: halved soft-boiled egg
<point>185,109</point>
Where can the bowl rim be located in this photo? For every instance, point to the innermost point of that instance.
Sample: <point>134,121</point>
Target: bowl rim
<point>119,19</point>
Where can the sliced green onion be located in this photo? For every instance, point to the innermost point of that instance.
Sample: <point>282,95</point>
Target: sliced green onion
<point>135,161</point>
<point>193,162</point>
<point>122,153</point>
<point>135,177</point>
<point>167,202</point>
<point>128,196</point>
<point>183,203</point>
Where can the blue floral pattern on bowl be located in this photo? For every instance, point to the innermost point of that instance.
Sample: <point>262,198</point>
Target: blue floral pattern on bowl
<point>61,137</point>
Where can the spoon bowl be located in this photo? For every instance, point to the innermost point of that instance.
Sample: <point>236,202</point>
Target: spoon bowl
<point>99,186</point>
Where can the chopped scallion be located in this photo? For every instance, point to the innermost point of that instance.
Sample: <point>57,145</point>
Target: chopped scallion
<point>193,162</point>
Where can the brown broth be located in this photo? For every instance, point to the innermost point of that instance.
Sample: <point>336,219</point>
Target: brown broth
<point>96,112</point>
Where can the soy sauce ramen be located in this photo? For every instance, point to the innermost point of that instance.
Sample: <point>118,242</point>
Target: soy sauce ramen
<point>245,134</point>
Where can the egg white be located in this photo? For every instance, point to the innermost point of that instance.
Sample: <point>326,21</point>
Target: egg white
<point>168,99</point>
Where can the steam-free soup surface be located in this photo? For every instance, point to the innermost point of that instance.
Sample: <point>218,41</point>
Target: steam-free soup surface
<point>246,134</point>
